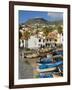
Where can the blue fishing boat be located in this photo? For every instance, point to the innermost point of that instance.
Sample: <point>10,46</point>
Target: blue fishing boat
<point>57,59</point>
<point>46,76</point>
<point>44,61</point>
<point>60,71</point>
<point>60,52</point>
<point>61,68</point>
<point>57,52</point>
<point>49,67</point>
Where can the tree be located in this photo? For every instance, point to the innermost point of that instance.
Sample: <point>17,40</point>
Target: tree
<point>20,27</point>
<point>60,30</point>
<point>26,36</point>
<point>37,31</point>
<point>50,28</point>
<point>20,34</point>
<point>45,31</point>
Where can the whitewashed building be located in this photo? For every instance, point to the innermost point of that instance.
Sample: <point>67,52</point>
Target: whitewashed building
<point>59,39</point>
<point>35,41</point>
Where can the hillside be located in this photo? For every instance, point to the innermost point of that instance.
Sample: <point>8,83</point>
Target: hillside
<point>40,23</point>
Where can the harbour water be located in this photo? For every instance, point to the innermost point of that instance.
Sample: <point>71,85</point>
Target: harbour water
<point>48,66</point>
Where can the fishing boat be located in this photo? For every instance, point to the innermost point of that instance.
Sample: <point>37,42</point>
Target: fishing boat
<point>60,71</point>
<point>49,66</point>
<point>44,60</point>
<point>57,52</point>
<point>57,56</point>
<point>46,69</point>
<point>43,75</point>
<point>32,56</point>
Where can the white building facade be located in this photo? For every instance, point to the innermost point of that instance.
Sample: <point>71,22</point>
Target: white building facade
<point>35,42</point>
<point>40,41</point>
<point>59,39</point>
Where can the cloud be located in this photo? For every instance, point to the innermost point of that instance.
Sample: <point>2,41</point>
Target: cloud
<point>55,15</point>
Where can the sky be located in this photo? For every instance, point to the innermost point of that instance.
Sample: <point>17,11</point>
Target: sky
<point>50,16</point>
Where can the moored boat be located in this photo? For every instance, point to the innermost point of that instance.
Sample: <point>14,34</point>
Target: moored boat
<point>43,75</point>
<point>46,69</point>
<point>49,66</point>
<point>32,56</point>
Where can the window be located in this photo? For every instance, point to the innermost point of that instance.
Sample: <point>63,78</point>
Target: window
<point>41,45</point>
<point>46,44</point>
<point>50,39</point>
<point>55,39</point>
<point>43,40</point>
<point>55,44</point>
<point>39,40</point>
<point>47,39</point>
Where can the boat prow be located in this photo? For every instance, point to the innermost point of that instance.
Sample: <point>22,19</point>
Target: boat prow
<point>46,70</point>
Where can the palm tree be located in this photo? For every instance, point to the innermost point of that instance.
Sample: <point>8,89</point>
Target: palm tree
<point>46,31</point>
<point>50,28</point>
<point>37,31</point>
<point>20,36</point>
<point>26,36</point>
<point>60,30</point>
<point>20,27</point>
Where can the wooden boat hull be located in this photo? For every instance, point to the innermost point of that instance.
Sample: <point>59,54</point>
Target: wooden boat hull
<point>46,70</point>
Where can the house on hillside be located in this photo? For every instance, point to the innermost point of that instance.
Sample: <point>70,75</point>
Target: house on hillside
<point>56,38</point>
